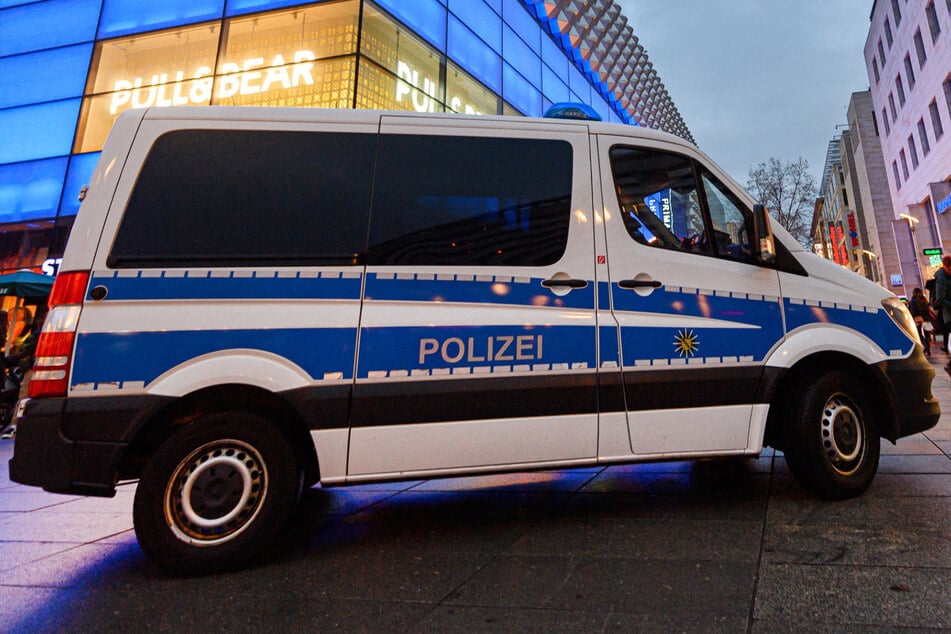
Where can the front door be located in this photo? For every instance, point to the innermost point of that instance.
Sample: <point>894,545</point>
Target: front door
<point>696,316</point>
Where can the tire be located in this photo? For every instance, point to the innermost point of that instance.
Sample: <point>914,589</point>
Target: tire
<point>832,444</point>
<point>215,493</point>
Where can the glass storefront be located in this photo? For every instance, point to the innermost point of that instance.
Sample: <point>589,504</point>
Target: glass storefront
<point>326,54</point>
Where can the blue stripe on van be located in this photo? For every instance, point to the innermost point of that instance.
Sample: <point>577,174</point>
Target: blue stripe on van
<point>457,349</point>
<point>875,325</point>
<point>203,286</point>
<point>144,356</point>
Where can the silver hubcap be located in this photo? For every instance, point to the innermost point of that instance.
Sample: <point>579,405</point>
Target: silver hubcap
<point>216,492</point>
<point>843,434</point>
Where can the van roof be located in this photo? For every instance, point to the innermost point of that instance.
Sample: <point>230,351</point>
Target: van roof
<point>348,115</point>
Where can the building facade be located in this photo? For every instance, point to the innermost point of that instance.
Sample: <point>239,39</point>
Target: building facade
<point>68,68</point>
<point>908,56</point>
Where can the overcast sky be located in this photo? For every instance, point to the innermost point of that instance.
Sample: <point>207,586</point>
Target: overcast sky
<point>755,79</point>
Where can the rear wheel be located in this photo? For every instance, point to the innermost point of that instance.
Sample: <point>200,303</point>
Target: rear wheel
<point>215,493</point>
<point>832,444</point>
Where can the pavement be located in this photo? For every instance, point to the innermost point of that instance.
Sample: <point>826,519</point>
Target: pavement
<point>731,546</point>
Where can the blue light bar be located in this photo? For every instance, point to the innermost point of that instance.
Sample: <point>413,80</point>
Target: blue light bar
<point>572,110</point>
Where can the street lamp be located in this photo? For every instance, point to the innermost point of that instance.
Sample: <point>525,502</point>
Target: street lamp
<point>912,221</point>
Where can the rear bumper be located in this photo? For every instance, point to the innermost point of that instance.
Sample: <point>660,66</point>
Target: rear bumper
<point>76,445</point>
<point>914,406</point>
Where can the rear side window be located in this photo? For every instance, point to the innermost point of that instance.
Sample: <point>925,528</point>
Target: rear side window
<point>442,200</point>
<point>243,198</point>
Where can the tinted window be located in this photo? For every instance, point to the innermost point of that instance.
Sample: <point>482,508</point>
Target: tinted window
<point>470,201</point>
<point>659,201</point>
<point>240,198</point>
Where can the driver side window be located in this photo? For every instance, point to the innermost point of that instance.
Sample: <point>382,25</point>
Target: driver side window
<point>659,199</point>
<point>726,216</point>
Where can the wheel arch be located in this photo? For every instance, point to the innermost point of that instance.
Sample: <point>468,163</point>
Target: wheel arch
<point>221,398</point>
<point>778,391</point>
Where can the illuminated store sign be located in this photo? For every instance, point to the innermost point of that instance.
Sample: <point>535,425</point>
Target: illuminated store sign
<point>250,77</point>
<point>419,92</point>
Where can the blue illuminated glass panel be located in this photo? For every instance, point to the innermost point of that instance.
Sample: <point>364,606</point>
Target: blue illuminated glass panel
<point>483,21</point>
<point>40,131</point>
<point>555,57</point>
<point>554,88</point>
<point>47,25</point>
<point>426,17</point>
<point>474,56</point>
<point>120,17</point>
<point>29,191</point>
<point>520,93</point>
<point>578,82</point>
<point>521,21</point>
<point>521,56</point>
<point>78,174</point>
<point>44,76</point>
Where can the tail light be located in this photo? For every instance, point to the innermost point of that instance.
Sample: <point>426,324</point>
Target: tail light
<point>54,350</point>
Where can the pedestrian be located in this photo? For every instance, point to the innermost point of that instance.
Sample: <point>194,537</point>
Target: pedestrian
<point>921,311</point>
<point>942,292</point>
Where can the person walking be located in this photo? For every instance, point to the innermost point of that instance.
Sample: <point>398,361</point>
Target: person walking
<point>942,291</point>
<point>921,311</point>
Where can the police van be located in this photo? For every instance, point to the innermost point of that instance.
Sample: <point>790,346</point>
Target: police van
<point>257,300</point>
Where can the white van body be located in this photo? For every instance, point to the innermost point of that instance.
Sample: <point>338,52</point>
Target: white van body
<point>470,295</point>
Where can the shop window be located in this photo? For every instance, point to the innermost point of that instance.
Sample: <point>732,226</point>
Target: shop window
<point>449,205</point>
<point>426,17</point>
<point>160,69</point>
<point>416,67</point>
<point>244,198</point>
<point>44,76</point>
<point>467,96</point>
<point>265,46</point>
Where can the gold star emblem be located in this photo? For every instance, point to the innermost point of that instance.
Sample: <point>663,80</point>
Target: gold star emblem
<point>686,343</point>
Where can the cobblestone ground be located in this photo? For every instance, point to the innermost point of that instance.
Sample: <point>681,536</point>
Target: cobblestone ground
<point>707,546</point>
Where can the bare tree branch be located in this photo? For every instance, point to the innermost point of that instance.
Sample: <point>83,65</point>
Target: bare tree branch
<point>788,191</point>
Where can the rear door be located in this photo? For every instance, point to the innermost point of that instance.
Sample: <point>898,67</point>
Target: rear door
<point>477,336</point>
<point>696,317</point>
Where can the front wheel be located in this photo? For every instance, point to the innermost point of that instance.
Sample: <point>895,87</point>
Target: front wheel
<point>215,493</point>
<point>832,444</point>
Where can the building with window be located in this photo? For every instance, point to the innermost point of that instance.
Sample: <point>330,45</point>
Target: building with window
<point>908,57</point>
<point>69,67</point>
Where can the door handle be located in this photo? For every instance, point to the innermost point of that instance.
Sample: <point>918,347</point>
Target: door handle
<point>635,283</point>
<point>564,283</point>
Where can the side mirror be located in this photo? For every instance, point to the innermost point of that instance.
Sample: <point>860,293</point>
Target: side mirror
<point>764,248</point>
